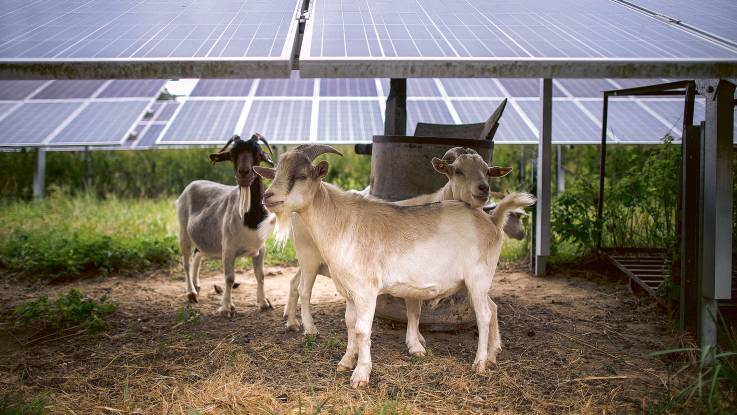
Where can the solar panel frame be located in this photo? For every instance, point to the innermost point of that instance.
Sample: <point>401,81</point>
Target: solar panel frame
<point>105,121</point>
<point>459,45</point>
<point>225,39</point>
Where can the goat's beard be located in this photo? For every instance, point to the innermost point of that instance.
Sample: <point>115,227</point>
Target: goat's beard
<point>283,228</point>
<point>245,205</point>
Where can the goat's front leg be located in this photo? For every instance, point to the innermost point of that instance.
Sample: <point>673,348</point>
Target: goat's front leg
<point>258,270</point>
<point>414,340</point>
<point>226,306</point>
<point>480,300</point>
<point>290,310</point>
<point>365,308</point>
<point>308,274</point>
<point>351,350</point>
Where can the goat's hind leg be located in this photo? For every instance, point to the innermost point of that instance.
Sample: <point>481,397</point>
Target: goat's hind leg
<point>351,351</point>
<point>185,245</point>
<point>195,270</point>
<point>478,291</point>
<point>258,271</point>
<point>290,310</point>
<point>414,340</point>
<point>495,338</point>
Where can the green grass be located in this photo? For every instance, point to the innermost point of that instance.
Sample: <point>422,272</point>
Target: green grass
<point>72,309</point>
<point>63,236</point>
<point>71,236</point>
<point>18,404</point>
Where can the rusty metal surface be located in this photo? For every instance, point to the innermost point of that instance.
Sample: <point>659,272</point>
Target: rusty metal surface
<point>646,267</point>
<point>146,69</point>
<point>518,68</point>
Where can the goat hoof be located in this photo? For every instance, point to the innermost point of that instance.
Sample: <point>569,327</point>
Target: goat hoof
<point>197,288</point>
<point>293,327</point>
<point>266,307</point>
<point>218,289</point>
<point>226,311</point>
<point>311,331</point>
<point>192,297</point>
<point>342,368</point>
<point>479,367</point>
<point>418,354</point>
<point>361,384</point>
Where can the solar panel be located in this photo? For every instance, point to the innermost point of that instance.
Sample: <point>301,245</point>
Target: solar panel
<point>70,89</point>
<point>148,137</point>
<point>507,38</point>
<point>348,87</point>
<point>149,38</point>
<point>717,17</point>
<point>570,124</point>
<point>17,90</point>
<point>629,122</point>
<point>349,121</point>
<point>199,122</point>
<point>294,86</point>
<point>285,121</point>
<point>222,88</point>
<point>472,87</point>
<point>415,88</point>
<point>513,128</point>
<point>102,123</point>
<point>128,88</point>
<point>427,111</point>
<point>32,123</point>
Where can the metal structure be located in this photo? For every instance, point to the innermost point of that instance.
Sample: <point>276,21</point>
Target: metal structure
<point>704,209</point>
<point>400,39</point>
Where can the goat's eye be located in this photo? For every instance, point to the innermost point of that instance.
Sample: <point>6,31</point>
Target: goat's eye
<point>300,177</point>
<point>458,172</point>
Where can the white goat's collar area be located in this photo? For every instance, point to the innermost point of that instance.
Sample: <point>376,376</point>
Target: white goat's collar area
<point>245,201</point>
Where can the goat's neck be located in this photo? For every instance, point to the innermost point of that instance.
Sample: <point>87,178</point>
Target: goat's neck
<point>254,211</point>
<point>324,219</point>
<point>446,193</point>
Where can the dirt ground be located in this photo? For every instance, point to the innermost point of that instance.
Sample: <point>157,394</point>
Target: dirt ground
<point>573,342</point>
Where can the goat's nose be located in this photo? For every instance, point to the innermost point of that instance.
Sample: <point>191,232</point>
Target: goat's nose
<point>484,187</point>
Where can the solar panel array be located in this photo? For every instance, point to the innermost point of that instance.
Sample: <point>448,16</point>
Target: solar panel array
<point>72,113</point>
<point>468,37</point>
<point>250,35</point>
<point>716,17</point>
<point>352,110</point>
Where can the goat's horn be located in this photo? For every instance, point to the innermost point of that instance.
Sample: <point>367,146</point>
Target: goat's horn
<point>230,141</point>
<point>314,150</point>
<point>258,137</point>
<point>451,155</point>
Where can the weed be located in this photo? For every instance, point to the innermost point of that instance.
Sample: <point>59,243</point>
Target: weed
<point>188,314</point>
<point>70,309</point>
<point>17,404</point>
<point>309,342</point>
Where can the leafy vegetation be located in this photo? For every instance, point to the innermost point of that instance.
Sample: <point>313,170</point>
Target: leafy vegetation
<point>18,404</point>
<point>68,310</point>
<point>714,388</point>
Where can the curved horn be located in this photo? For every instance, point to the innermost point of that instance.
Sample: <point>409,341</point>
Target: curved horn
<point>261,138</point>
<point>230,141</point>
<point>314,150</point>
<point>452,154</point>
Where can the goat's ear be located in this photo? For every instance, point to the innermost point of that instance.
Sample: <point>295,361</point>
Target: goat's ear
<point>221,156</point>
<point>498,171</point>
<point>321,169</point>
<point>265,172</point>
<point>441,166</point>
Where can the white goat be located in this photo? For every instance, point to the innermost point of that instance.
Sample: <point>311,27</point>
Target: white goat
<point>226,222</point>
<point>373,247</point>
<point>468,176</point>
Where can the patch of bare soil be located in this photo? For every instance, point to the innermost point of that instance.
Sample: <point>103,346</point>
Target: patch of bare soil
<point>573,342</point>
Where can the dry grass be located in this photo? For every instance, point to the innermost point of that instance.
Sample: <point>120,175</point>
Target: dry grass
<point>572,344</point>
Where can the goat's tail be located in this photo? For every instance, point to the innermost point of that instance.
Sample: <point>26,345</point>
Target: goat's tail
<point>510,202</point>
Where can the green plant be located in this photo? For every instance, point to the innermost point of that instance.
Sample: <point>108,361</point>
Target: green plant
<point>17,404</point>
<point>70,309</point>
<point>188,314</point>
<point>714,390</point>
